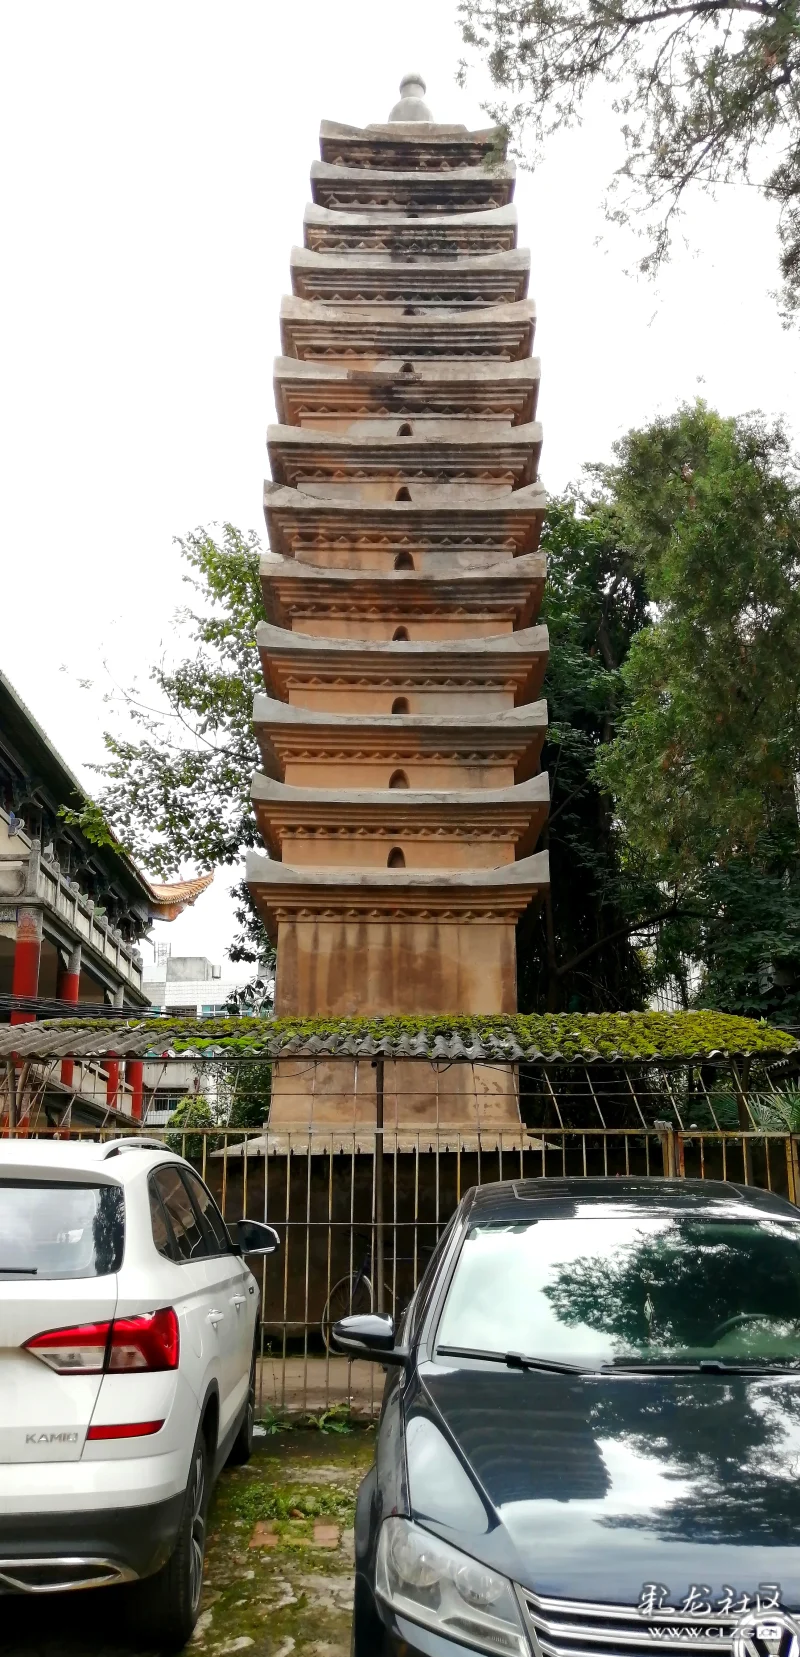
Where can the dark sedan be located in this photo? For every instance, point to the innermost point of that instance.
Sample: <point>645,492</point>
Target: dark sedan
<point>590,1436</point>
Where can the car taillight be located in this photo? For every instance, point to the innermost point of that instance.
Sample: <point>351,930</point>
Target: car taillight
<point>126,1429</point>
<point>145,1343</point>
<point>136,1345</point>
<point>80,1350</point>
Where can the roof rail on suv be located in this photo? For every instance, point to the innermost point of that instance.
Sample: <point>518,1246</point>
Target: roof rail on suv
<point>136,1142</point>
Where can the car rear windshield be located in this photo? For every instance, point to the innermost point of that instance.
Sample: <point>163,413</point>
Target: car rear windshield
<point>56,1229</point>
<point>615,1288</point>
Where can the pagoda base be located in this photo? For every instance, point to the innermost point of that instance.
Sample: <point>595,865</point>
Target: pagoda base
<point>419,1098</point>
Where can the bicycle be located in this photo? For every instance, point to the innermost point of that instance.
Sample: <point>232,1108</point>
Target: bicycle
<point>354,1293</point>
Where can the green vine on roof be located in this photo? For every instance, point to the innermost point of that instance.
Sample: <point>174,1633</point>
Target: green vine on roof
<point>635,1036</point>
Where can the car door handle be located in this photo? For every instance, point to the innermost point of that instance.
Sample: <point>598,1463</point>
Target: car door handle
<point>239,1300</point>
<point>215,1317</point>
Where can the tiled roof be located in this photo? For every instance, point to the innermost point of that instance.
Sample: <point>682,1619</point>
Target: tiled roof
<point>169,899</point>
<point>648,1038</point>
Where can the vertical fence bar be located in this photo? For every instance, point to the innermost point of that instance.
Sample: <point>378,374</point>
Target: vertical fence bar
<point>286,1266</point>
<point>792,1170</point>
<point>328,1269</point>
<point>307,1268</point>
<point>379,1235</point>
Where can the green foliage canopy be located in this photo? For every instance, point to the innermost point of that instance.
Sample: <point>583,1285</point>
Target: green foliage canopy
<point>194,1111</point>
<point>579,952</point>
<point>179,789</point>
<point>704,762</point>
<point>705,91</point>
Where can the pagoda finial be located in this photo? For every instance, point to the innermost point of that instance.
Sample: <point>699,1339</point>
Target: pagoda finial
<point>412,106</point>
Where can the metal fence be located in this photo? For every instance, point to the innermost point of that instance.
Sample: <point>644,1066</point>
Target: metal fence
<point>359,1212</point>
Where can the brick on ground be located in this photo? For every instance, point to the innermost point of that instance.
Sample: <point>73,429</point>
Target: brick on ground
<point>264,1535</point>
<point>325,1535</point>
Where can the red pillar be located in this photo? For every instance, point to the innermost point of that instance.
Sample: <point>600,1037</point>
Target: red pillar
<point>112,1083</point>
<point>27,956</point>
<point>134,1076</point>
<point>68,987</point>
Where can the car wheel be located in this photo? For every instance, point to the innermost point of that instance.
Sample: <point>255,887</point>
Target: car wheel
<point>242,1447</point>
<point>167,1603</point>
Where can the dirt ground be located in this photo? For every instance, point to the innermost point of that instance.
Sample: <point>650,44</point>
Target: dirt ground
<point>279,1562</point>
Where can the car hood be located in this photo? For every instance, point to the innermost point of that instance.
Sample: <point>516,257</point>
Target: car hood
<point>597,1485</point>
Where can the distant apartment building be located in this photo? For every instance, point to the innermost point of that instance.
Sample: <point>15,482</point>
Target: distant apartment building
<point>188,986</point>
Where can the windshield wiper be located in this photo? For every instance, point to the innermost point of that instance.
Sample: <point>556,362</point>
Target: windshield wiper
<point>512,1360</point>
<point>20,1271</point>
<point>704,1366</point>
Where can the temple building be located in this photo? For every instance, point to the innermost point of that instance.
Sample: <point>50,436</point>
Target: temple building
<point>401,799</point>
<point>72,913</point>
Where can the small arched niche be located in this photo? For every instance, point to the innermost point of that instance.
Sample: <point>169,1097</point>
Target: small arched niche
<point>406,430</point>
<point>396,859</point>
<point>400,705</point>
<point>404,561</point>
<point>409,310</point>
<point>398,779</point>
<point>403,493</point>
<point>407,368</point>
<point>400,635</point>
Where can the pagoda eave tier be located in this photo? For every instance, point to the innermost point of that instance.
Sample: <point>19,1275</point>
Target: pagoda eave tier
<point>506,663</point>
<point>506,456</point>
<point>369,332</point>
<point>399,145</point>
<point>376,278</point>
<point>483,390</point>
<point>462,189</point>
<point>321,815</point>
<point>511,591</point>
<point>299,524</point>
<point>290,735</point>
<point>327,229</point>
<point>455,896</point>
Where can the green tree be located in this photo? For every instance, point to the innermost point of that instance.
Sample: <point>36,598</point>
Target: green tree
<point>243,1091</point>
<point>179,789</point>
<point>194,1111</point>
<point>705,91</point>
<point>578,952</point>
<point>703,767</point>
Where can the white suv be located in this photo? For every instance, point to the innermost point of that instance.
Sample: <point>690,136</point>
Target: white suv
<point>128,1323</point>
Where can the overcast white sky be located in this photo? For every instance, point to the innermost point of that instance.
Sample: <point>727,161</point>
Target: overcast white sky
<point>156,161</point>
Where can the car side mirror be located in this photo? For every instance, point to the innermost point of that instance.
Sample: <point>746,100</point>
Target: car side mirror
<point>254,1238</point>
<point>370,1335</point>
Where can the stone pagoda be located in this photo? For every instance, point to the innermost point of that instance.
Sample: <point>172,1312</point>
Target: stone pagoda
<point>401,799</point>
